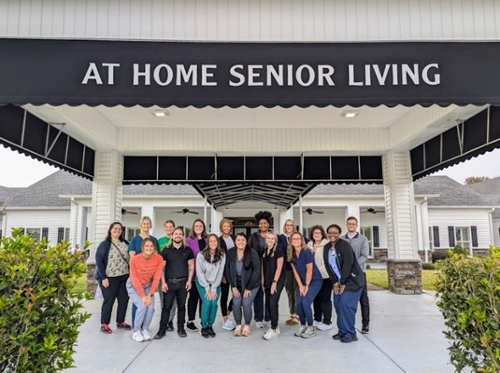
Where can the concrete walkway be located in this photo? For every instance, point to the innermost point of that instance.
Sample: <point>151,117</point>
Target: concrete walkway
<point>406,336</point>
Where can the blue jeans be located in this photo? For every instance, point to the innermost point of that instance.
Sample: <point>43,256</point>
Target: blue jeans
<point>304,303</point>
<point>346,305</point>
<point>143,315</point>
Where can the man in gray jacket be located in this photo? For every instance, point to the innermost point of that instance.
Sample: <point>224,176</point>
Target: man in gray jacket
<point>361,249</point>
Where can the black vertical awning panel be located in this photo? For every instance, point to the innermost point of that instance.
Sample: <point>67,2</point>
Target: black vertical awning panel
<point>475,131</point>
<point>371,168</point>
<point>433,152</point>
<point>30,135</point>
<point>317,168</point>
<point>172,168</point>
<point>451,142</point>
<point>140,168</point>
<point>494,127</point>
<point>287,168</point>
<point>417,159</point>
<point>201,168</point>
<point>230,168</point>
<point>345,168</point>
<point>259,168</point>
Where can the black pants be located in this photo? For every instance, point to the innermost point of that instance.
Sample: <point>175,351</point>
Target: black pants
<point>365,306</point>
<point>224,295</point>
<point>272,301</point>
<point>193,302</point>
<point>176,290</point>
<point>258,307</point>
<point>115,290</point>
<point>323,303</point>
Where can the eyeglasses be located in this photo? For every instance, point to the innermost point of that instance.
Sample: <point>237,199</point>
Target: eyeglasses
<point>333,233</point>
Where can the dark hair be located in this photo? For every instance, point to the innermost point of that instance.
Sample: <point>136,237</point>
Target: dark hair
<point>203,234</point>
<point>315,228</point>
<point>147,239</point>
<point>273,249</point>
<point>266,215</point>
<point>334,226</point>
<point>122,236</point>
<point>247,253</point>
<point>218,251</point>
<point>352,218</point>
<point>179,228</point>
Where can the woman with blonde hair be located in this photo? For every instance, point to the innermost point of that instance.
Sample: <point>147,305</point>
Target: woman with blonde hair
<point>273,279</point>
<point>290,283</point>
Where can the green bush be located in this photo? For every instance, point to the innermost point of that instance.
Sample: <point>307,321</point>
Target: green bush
<point>368,266</point>
<point>428,266</point>
<point>469,290</point>
<point>39,312</point>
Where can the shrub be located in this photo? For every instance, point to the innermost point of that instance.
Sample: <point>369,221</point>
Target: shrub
<point>439,255</point>
<point>469,290</point>
<point>428,266</point>
<point>39,313</point>
<point>368,266</point>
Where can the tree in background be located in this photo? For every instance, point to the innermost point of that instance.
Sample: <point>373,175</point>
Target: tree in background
<point>475,179</point>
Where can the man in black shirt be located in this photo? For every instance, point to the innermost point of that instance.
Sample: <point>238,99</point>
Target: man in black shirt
<point>178,261</point>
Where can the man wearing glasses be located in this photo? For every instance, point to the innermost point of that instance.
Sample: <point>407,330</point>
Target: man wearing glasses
<point>361,249</point>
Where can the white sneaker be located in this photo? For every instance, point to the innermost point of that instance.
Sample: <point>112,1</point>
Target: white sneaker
<point>317,323</point>
<point>325,326</point>
<point>259,324</point>
<point>270,334</point>
<point>278,331</point>
<point>137,336</point>
<point>228,325</point>
<point>147,335</point>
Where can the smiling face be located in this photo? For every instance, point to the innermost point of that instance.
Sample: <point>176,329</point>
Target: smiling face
<point>240,242</point>
<point>145,226</point>
<point>178,236</point>
<point>226,229</point>
<point>352,226</point>
<point>333,234</point>
<point>263,225</point>
<point>169,228</point>
<point>289,227</point>
<point>270,240</point>
<point>198,228</point>
<point>148,248</point>
<point>212,243</point>
<point>317,236</point>
<point>296,240</point>
<point>116,232</point>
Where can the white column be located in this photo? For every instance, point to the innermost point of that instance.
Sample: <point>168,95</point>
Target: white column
<point>73,225</point>
<point>399,205</point>
<point>424,223</point>
<point>106,196</point>
<point>215,218</point>
<point>284,215</point>
<point>351,210</point>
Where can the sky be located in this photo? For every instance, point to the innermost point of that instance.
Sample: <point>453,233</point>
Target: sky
<point>18,170</point>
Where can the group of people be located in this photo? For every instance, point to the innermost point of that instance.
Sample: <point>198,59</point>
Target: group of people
<point>203,269</point>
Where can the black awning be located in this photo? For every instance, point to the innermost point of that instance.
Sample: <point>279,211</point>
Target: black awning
<point>276,180</point>
<point>22,131</point>
<point>475,136</point>
<point>199,74</point>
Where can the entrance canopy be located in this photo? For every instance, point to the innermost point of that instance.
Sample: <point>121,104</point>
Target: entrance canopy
<point>249,121</point>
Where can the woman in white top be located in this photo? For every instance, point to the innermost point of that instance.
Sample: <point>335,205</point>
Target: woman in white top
<point>323,301</point>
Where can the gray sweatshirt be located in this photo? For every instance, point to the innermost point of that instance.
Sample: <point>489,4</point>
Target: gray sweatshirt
<point>361,248</point>
<point>209,275</point>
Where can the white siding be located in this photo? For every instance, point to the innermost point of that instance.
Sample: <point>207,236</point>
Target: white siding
<point>52,219</point>
<point>496,232</point>
<point>479,217</point>
<point>249,20</point>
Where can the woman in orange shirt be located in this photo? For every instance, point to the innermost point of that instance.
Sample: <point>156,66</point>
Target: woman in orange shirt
<point>145,275</point>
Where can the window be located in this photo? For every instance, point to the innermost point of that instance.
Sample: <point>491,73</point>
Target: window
<point>431,244</point>
<point>132,232</point>
<point>35,233</point>
<point>368,233</point>
<point>462,237</point>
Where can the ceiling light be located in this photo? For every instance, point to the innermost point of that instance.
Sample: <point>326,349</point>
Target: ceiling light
<point>161,113</point>
<point>350,113</point>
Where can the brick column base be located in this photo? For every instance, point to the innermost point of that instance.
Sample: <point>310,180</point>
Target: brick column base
<point>405,276</point>
<point>91,280</point>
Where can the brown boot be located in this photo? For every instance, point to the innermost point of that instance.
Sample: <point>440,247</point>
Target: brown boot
<point>246,331</point>
<point>237,331</point>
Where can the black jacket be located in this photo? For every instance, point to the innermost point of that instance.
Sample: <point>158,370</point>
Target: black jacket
<point>351,274</point>
<point>253,242</point>
<point>223,243</point>
<point>250,277</point>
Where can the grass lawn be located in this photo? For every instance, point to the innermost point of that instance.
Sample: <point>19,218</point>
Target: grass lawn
<point>378,277</point>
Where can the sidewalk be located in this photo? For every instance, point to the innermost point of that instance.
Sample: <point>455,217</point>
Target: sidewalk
<point>405,336</point>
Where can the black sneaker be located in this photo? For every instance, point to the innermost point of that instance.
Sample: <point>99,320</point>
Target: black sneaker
<point>211,332</point>
<point>160,334</point>
<point>346,339</point>
<point>337,336</point>
<point>170,327</point>
<point>365,330</point>
<point>182,332</point>
<point>204,332</point>
<point>191,327</point>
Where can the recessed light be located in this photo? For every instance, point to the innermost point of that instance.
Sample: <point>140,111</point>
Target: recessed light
<point>350,113</point>
<point>161,113</point>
